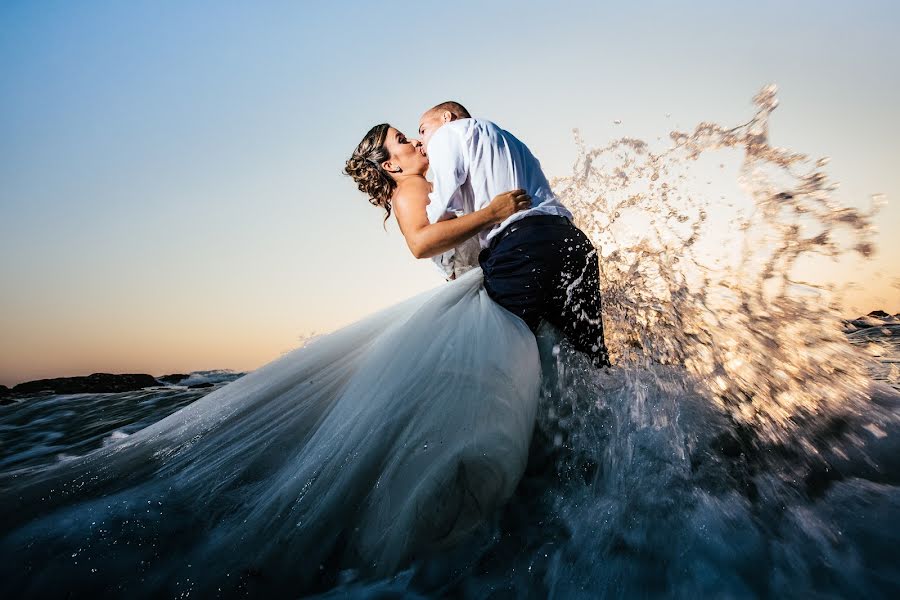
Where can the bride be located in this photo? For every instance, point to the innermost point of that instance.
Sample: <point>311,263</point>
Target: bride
<point>390,169</point>
<point>385,442</point>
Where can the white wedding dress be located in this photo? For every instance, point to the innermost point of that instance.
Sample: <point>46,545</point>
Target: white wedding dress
<point>367,448</point>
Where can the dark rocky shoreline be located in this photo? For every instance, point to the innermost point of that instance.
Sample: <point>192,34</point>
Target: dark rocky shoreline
<point>876,318</point>
<point>95,383</point>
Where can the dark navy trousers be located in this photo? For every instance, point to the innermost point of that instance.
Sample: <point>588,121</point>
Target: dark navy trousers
<point>543,267</point>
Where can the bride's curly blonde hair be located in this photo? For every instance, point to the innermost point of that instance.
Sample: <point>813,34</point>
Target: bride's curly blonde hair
<point>364,166</point>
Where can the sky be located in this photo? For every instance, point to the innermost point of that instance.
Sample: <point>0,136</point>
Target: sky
<point>171,186</point>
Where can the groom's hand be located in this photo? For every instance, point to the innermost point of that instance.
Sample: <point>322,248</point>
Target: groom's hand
<point>509,203</point>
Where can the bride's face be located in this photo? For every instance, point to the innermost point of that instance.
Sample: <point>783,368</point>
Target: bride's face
<point>405,154</point>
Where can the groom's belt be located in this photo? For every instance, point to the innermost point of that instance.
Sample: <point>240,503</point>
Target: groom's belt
<point>528,221</point>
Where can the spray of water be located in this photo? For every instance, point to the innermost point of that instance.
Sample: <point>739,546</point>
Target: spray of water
<point>721,295</point>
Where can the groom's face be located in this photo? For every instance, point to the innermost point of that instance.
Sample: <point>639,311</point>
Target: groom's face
<point>430,122</point>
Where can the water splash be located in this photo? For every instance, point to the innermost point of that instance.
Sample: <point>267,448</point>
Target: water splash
<point>710,281</point>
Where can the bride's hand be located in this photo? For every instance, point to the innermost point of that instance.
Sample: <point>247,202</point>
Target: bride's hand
<point>509,203</point>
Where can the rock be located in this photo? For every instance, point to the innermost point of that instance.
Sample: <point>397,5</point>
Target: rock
<point>173,378</point>
<point>878,314</point>
<point>865,322</point>
<point>205,384</point>
<point>4,391</point>
<point>95,383</point>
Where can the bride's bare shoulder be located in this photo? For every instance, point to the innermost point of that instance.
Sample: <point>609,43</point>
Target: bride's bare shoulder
<point>413,189</point>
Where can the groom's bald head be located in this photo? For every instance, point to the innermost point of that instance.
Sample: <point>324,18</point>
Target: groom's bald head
<point>454,108</point>
<point>436,117</point>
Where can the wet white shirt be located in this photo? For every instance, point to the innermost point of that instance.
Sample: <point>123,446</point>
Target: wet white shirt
<point>472,161</point>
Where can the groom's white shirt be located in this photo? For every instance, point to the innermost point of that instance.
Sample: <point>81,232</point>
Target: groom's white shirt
<point>473,160</point>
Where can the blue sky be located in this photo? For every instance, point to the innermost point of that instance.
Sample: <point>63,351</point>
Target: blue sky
<point>171,195</point>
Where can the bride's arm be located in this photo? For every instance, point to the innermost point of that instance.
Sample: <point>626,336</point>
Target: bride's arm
<point>426,239</point>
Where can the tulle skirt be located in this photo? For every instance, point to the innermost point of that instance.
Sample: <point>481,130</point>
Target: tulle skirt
<point>390,439</point>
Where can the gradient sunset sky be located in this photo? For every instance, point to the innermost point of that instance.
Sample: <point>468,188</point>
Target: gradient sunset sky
<point>171,187</point>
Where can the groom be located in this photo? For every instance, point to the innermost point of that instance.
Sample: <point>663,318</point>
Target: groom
<point>536,263</point>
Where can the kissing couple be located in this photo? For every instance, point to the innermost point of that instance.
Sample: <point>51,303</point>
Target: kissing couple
<point>491,223</point>
<point>489,201</point>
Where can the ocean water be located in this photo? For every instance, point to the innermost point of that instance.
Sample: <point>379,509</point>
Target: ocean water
<point>650,492</point>
<point>746,444</point>
<point>49,427</point>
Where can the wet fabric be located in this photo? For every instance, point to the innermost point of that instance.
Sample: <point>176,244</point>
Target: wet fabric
<point>546,268</point>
